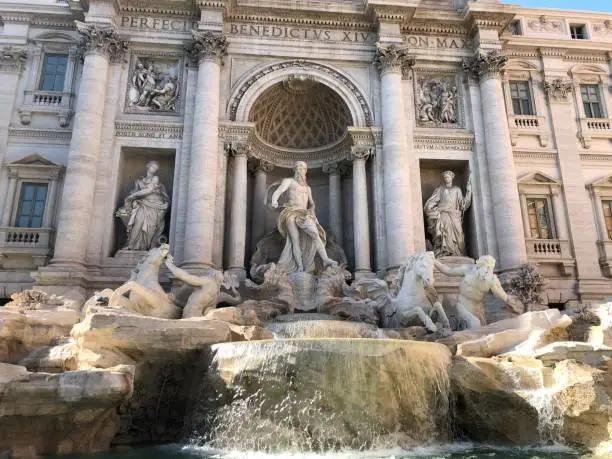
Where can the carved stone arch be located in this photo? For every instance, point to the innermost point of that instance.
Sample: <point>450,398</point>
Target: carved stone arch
<point>248,89</point>
<point>588,73</point>
<point>56,37</point>
<point>521,69</point>
<point>520,64</point>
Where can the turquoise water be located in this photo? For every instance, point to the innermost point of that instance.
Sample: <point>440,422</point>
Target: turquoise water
<point>454,451</point>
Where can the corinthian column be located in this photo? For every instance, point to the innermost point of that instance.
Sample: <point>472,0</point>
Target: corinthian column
<point>361,218</point>
<point>238,216</point>
<point>487,67</point>
<point>100,45</point>
<point>208,49</point>
<point>335,200</point>
<point>397,194</point>
<point>260,168</point>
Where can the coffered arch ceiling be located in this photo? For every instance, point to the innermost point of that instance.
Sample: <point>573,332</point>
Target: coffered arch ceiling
<point>300,113</point>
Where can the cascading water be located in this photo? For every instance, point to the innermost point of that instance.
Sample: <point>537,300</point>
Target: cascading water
<point>324,395</point>
<point>539,389</point>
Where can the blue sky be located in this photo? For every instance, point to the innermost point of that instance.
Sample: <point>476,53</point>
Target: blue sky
<point>582,5</point>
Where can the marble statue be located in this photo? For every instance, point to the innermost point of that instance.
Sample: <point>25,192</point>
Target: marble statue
<point>144,211</point>
<point>416,297</point>
<point>477,281</point>
<point>164,98</point>
<point>298,224</point>
<point>206,290</point>
<point>146,295</point>
<point>444,213</point>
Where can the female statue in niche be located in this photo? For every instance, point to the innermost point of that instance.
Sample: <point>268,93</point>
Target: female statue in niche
<point>145,209</point>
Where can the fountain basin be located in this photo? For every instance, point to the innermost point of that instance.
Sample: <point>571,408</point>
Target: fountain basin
<point>326,394</point>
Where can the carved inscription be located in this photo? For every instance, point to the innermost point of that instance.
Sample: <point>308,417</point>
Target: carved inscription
<point>301,33</point>
<point>417,41</point>
<point>162,24</point>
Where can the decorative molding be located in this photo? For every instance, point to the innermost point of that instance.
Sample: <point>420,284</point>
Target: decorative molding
<point>434,28</point>
<point>558,90</point>
<point>392,58</point>
<point>439,142</point>
<point>585,57</point>
<point>552,52</point>
<point>485,65</point>
<point>236,132</point>
<point>301,64</point>
<point>235,149</point>
<point>308,19</point>
<point>170,131</point>
<point>101,40</point>
<point>40,133</point>
<point>595,157</point>
<point>12,59</point>
<point>207,45</point>
<point>527,155</point>
<point>522,52</point>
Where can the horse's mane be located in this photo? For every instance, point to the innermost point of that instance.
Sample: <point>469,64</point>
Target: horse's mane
<point>408,266</point>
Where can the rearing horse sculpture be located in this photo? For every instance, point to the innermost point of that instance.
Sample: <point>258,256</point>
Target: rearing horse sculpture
<point>416,298</point>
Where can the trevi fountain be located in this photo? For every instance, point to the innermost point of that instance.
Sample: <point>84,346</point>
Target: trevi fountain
<point>303,359</point>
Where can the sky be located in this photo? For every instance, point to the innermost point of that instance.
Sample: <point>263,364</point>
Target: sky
<point>582,5</point>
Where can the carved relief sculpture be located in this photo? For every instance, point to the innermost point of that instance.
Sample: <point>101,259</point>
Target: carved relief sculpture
<point>298,224</point>
<point>154,86</point>
<point>437,101</point>
<point>144,211</point>
<point>444,213</point>
<point>11,59</point>
<point>544,25</point>
<point>558,89</point>
<point>477,281</point>
<point>604,28</point>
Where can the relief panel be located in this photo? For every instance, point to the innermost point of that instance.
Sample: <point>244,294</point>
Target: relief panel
<point>437,102</point>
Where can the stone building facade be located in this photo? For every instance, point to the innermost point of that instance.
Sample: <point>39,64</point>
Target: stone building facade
<point>378,97</point>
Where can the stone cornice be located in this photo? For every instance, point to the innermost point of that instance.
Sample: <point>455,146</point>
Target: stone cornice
<point>184,9</point>
<point>463,142</point>
<point>392,58</point>
<point>207,45</point>
<point>434,28</point>
<point>101,40</point>
<point>12,59</point>
<point>40,133</point>
<point>356,22</point>
<point>527,155</point>
<point>485,65</point>
<point>235,149</point>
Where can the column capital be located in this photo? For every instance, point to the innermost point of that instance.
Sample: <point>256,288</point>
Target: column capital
<point>360,153</point>
<point>392,58</point>
<point>485,64</point>
<point>559,89</point>
<point>238,149</point>
<point>11,59</point>
<point>334,169</point>
<point>98,39</point>
<point>260,165</point>
<point>207,45</point>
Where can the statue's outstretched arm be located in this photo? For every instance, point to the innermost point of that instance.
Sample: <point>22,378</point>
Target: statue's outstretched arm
<point>459,271</point>
<point>184,276</point>
<point>515,304</point>
<point>284,186</point>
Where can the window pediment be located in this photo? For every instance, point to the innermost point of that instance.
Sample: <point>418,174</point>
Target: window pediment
<point>35,166</point>
<point>602,186</point>
<point>539,183</point>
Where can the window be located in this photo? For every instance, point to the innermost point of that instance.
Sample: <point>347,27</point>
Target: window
<point>539,218</point>
<point>521,98</point>
<point>578,31</point>
<point>54,72</point>
<point>591,101</point>
<point>31,205</point>
<point>607,208</point>
<point>515,28</point>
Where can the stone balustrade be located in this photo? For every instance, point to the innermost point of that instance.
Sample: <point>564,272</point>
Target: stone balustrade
<point>594,128</point>
<point>530,125</point>
<point>53,102</point>
<point>34,242</point>
<point>605,256</point>
<point>552,251</point>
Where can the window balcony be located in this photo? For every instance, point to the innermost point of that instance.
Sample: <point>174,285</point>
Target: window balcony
<point>594,128</point>
<point>55,102</point>
<point>529,125</point>
<point>33,242</point>
<point>552,251</point>
<point>605,256</point>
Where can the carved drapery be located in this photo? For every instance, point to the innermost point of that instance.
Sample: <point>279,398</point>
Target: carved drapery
<point>11,59</point>
<point>392,58</point>
<point>207,45</point>
<point>485,65</point>
<point>558,90</point>
<point>101,40</point>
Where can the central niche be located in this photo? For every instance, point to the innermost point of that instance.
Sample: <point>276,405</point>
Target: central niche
<point>300,113</point>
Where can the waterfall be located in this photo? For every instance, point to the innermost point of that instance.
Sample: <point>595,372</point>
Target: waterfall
<point>300,395</point>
